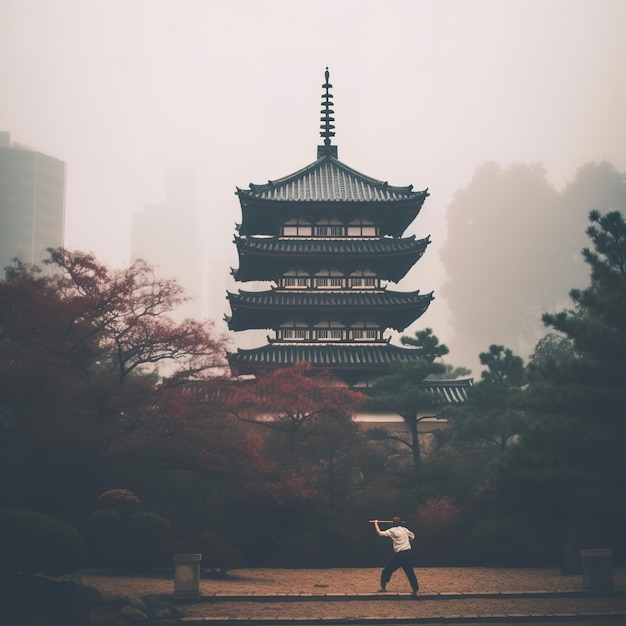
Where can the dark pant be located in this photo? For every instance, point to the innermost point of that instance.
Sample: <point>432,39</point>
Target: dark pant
<point>402,560</point>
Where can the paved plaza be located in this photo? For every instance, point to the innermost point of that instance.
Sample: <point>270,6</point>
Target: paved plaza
<point>323,596</point>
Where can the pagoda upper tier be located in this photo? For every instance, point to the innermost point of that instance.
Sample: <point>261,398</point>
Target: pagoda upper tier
<point>273,308</point>
<point>265,258</point>
<point>328,186</point>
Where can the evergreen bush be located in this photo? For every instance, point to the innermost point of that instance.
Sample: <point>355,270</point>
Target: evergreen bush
<point>122,536</point>
<point>37,543</point>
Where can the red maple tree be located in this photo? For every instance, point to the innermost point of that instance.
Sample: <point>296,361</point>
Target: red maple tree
<point>83,349</point>
<point>309,413</point>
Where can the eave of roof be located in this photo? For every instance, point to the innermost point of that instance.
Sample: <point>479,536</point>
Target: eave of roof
<point>347,246</point>
<point>265,258</point>
<point>338,355</point>
<point>270,309</point>
<point>305,299</point>
<point>330,180</point>
<point>451,391</point>
<point>345,357</point>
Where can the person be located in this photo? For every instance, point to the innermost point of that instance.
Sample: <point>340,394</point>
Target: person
<point>402,554</point>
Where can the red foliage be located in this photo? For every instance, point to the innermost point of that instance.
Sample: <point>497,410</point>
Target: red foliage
<point>81,344</point>
<point>125,313</point>
<point>286,398</point>
<point>312,411</point>
<point>187,427</point>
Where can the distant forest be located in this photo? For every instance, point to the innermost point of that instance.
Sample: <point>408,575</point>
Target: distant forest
<point>513,251</point>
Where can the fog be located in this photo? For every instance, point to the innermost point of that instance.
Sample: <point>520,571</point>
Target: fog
<point>126,92</point>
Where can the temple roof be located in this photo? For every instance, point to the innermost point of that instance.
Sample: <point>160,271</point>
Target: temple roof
<point>328,187</point>
<point>338,299</point>
<point>259,256</point>
<point>342,357</point>
<point>337,355</point>
<point>269,309</point>
<point>324,188</point>
<point>451,391</point>
<point>330,180</point>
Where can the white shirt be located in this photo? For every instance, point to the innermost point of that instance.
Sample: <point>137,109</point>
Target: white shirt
<point>400,536</point>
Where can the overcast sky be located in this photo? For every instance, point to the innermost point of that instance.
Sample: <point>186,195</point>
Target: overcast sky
<point>126,90</point>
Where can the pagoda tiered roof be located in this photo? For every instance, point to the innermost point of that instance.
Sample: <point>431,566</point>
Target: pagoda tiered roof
<point>330,180</point>
<point>269,309</point>
<point>262,258</point>
<point>341,355</point>
<point>323,182</point>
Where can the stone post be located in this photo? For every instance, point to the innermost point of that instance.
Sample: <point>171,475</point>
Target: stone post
<point>597,568</point>
<point>187,575</point>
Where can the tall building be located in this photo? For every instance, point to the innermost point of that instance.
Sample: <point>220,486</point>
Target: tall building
<point>330,240</point>
<point>32,203</point>
<point>167,237</point>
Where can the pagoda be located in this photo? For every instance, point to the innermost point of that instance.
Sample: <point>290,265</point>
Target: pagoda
<point>329,241</point>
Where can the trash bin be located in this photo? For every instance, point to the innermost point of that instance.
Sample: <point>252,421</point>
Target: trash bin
<point>597,568</point>
<point>187,575</point>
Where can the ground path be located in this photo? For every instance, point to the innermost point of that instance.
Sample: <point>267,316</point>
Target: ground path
<point>349,596</point>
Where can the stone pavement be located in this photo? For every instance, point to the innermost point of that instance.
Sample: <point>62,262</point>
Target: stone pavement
<point>440,609</point>
<point>349,596</point>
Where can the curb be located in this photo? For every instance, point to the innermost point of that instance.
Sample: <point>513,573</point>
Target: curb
<point>530,617</point>
<point>571,618</point>
<point>334,597</point>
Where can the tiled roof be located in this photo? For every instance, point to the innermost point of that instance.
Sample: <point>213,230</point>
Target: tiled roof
<point>452,391</point>
<point>386,245</point>
<point>330,180</point>
<point>345,356</point>
<point>267,258</point>
<point>270,309</point>
<point>337,300</point>
<point>339,355</point>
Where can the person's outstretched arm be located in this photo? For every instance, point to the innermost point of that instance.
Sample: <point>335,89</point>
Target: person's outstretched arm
<point>379,532</point>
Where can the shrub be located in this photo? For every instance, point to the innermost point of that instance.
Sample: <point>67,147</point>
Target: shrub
<point>216,555</point>
<point>123,501</point>
<point>147,522</point>
<point>440,536</point>
<point>512,542</point>
<point>32,542</point>
<point>124,537</point>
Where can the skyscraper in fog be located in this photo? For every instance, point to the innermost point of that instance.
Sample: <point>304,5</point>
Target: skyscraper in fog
<point>167,236</point>
<point>32,203</point>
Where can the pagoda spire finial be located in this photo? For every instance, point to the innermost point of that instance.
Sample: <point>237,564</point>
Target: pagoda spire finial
<point>327,119</point>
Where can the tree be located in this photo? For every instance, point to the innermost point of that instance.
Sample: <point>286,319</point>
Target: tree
<point>514,242</point>
<point>81,347</point>
<point>493,413</point>
<point>191,443</point>
<point>492,226</point>
<point>122,315</point>
<point>551,348</point>
<point>331,445</point>
<point>590,389</point>
<point>286,399</point>
<point>304,405</point>
<point>563,482</point>
<point>599,186</point>
<point>427,343</point>
<point>405,390</point>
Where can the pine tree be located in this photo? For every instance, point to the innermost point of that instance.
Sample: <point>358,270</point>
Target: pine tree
<point>570,464</point>
<point>590,390</point>
<point>493,414</point>
<point>404,389</point>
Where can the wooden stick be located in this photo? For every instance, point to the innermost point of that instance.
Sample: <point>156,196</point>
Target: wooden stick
<point>384,521</point>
